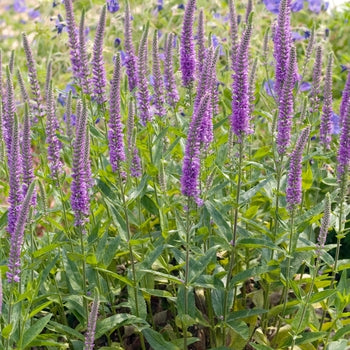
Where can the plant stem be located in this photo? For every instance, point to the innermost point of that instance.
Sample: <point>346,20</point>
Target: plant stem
<point>187,260</point>
<point>133,270</point>
<point>234,238</point>
<point>84,271</point>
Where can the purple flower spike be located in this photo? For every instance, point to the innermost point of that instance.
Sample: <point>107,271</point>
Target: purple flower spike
<point>37,107</point>
<point>15,172</point>
<point>54,145</point>
<point>327,111</point>
<point>143,93</point>
<point>14,263</point>
<point>115,132</point>
<point>191,162</point>
<point>158,80</point>
<point>249,9</point>
<point>282,43</point>
<point>80,200</point>
<point>200,42</point>
<point>9,112</point>
<point>99,80</point>
<point>131,59</point>
<point>285,114</point>
<point>73,41</point>
<point>344,148</point>
<point>345,99</point>
<point>293,191</point>
<point>169,78</point>
<point>240,88</point>
<point>22,87</point>
<point>27,161</point>
<point>84,65</point>
<point>233,33</point>
<point>90,334</point>
<point>316,80</point>
<point>187,51</point>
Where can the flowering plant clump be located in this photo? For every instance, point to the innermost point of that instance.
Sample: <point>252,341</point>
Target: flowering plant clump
<point>174,175</point>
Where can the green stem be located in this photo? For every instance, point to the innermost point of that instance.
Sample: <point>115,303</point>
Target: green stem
<point>133,270</point>
<point>234,238</point>
<point>187,260</point>
<point>84,271</point>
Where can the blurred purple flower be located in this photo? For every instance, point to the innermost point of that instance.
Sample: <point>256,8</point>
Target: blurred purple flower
<point>269,87</point>
<point>112,6</point>
<point>19,6</point>
<point>335,123</point>
<point>343,68</point>
<point>62,96</point>
<point>34,13</point>
<point>181,6</point>
<point>307,34</point>
<point>60,25</point>
<point>297,5</point>
<point>117,42</point>
<point>315,5</point>
<point>73,119</point>
<point>296,36</point>
<point>216,43</point>
<point>305,86</point>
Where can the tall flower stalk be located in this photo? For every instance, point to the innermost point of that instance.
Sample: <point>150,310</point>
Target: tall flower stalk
<point>191,162</point>
<point>282,42</point>
<point>143,93</point>
<point>99,80</point>
<point>316,81</point>
<point>115,128</point>
<point>84,65</point>
<point>16,242</point>
<point>73,40</point>
<point>233,33</point>
<point>37,107</point>
<point>345,99</point>
<point>79,188</point>
<point>240,88</point>
<point>90,334</point>
<point>27,160</point>
<point>285,114</point>
<point>15,174</point>
<point>187,50</point>
<point>201,51</point>
<point>169,78</point>
<point>130,59</point>
<point>157,77</point>
<point>293,197</point>
<point>327,110</point>
<point>54,145</point>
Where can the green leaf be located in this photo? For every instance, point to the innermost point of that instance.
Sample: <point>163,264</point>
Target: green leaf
<point>245,313</point>
<point>39,308</point>
<point>115,275</point>
<point>239,327</point>
<point>157,341</point>
<point>307,178</point>
<point>246,196</point>
<point>255,271</point>
<point>32,332</point>
<point>319,296</point>
<point>6,331</point>
<point>46,249</point>
<point>62,329</point>
<point>111,323</point>
<point>260,346</point>
<point>149,205</point>
<point>223,226</point>
<point>257,243</point>
<point>338,345</point>
<point>164,276</point>
<point>341,332</point>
